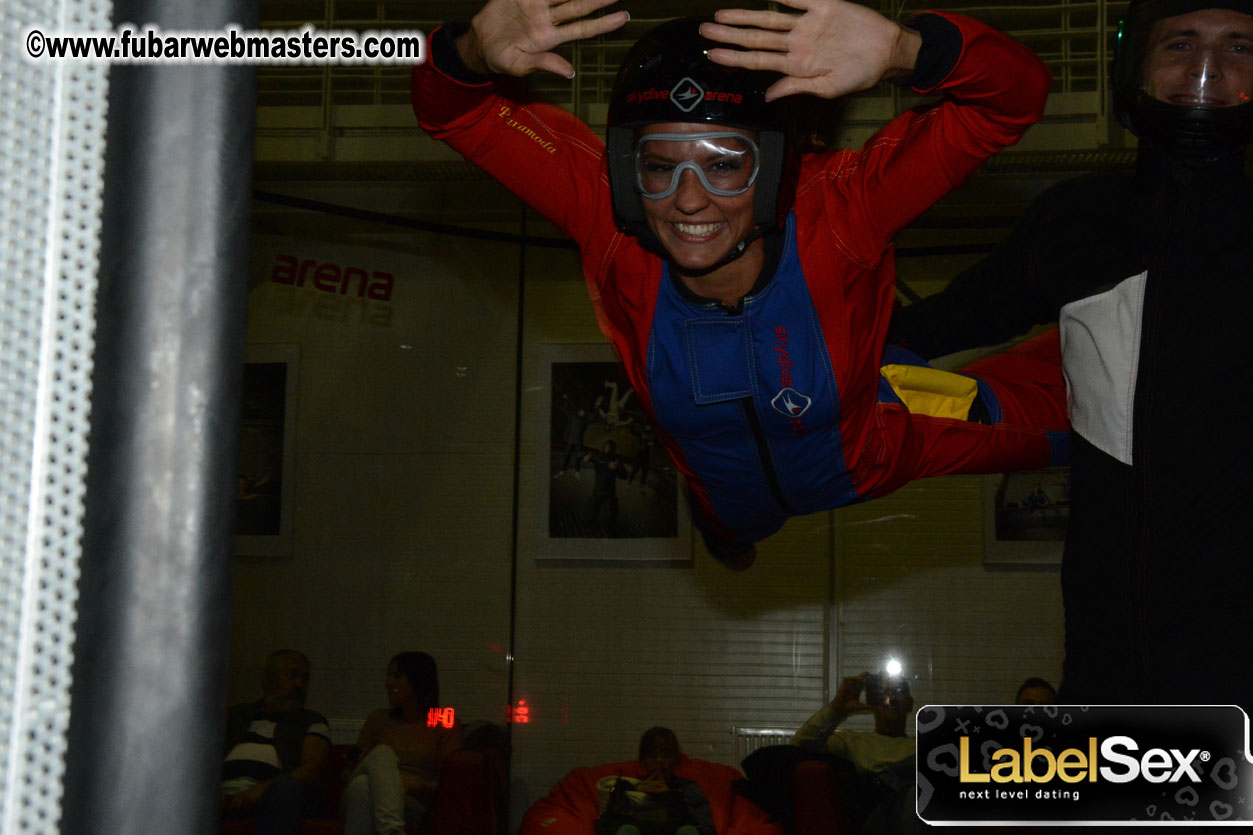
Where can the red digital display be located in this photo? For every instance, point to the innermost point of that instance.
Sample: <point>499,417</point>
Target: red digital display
<point>519,715</point>
<point>437,716</point>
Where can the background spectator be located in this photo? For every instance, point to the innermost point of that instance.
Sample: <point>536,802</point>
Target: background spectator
<point>661,803</point>
<point>401,749</point>
<point>276,750</point>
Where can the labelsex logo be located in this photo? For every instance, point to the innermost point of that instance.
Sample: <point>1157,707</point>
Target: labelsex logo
<point>1156,765</point>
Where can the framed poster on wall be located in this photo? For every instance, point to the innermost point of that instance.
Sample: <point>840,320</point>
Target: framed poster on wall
<point>606,487</point>
<point>1025,517</point>
<point>263,498</point>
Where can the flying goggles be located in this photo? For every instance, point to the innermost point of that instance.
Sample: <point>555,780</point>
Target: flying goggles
<point>726,163</point>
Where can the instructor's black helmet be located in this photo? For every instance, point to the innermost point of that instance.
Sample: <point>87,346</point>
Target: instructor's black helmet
<point>1207,131</point>
<point>667,77</point>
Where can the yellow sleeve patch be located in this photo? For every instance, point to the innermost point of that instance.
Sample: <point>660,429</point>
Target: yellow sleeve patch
<point>930,391</point>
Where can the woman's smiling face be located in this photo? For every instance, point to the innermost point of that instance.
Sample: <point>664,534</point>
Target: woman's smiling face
<point>696,227</point>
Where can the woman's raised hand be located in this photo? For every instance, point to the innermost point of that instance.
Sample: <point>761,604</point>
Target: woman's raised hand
<point>830,49</point>
<point>516,37</point>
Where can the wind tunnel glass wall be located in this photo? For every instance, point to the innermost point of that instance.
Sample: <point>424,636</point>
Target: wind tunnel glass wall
<point>375,491</point>
<point>399,356</point>
<point>396,461</point>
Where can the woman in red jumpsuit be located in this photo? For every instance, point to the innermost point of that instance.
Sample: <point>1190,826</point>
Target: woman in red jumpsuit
<point>747,289</point>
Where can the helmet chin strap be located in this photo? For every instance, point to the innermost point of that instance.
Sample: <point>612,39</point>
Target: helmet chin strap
<point>735,252</point>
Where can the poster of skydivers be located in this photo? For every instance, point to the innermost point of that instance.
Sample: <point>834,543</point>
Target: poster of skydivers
<point>609,476</point>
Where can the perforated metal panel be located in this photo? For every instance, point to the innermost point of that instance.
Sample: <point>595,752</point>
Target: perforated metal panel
<point>51,169</point>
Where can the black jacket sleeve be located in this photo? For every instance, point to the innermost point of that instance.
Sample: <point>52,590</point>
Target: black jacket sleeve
<point>1080,237</point>
<point>1001,297</point>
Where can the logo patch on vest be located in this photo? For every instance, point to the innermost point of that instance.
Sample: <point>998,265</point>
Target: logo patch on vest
<point>791,403</point>
<point>687,94</point>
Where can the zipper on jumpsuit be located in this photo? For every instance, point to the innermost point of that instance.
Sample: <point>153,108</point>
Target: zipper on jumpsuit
<point>749,407</point>
<point>763,453</point>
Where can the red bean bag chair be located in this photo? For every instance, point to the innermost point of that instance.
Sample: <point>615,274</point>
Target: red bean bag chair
<point>570,807</point>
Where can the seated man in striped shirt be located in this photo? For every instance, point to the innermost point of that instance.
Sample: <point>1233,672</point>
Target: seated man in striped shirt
<point>276,750</point>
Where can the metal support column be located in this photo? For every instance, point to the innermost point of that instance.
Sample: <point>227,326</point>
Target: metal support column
<point>149,674</point>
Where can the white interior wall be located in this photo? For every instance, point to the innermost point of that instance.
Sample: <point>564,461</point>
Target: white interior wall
<point>403,520</point>
<point>402,477</point>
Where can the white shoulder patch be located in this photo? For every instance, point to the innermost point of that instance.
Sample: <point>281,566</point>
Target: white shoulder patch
<point>1100,357</point>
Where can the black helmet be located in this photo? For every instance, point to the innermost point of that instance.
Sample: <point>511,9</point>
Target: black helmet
<point>667,77</point>
<point>1207,131</point>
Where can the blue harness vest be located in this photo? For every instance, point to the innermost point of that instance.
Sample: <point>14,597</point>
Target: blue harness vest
<point>751,400</point>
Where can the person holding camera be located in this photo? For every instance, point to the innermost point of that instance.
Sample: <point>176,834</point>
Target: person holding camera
<point>876,794</point>
<point>888,699</point>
